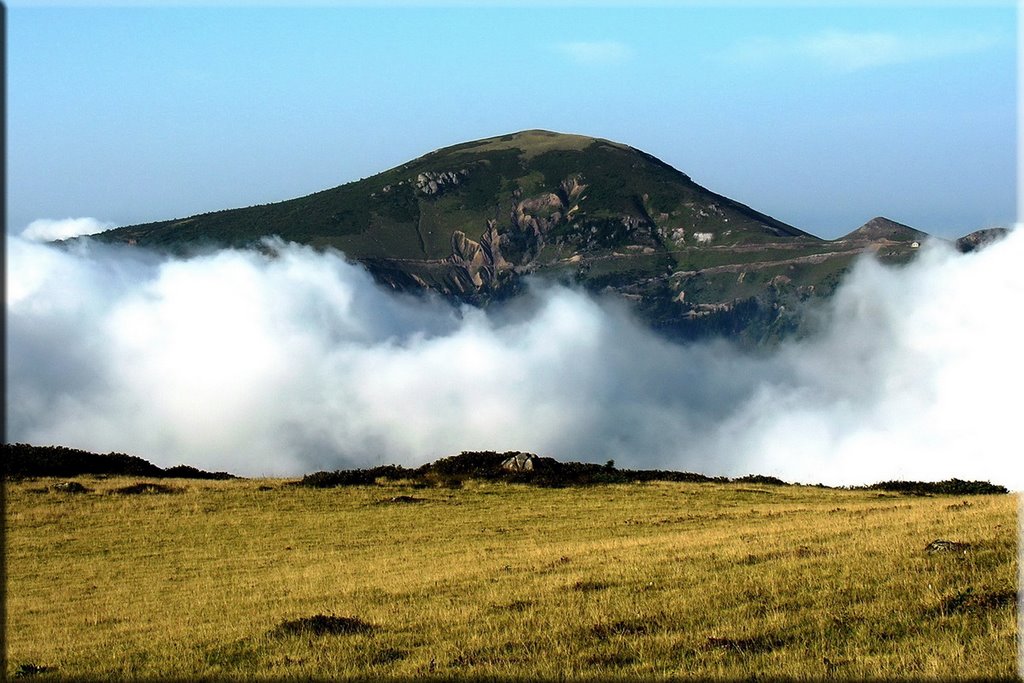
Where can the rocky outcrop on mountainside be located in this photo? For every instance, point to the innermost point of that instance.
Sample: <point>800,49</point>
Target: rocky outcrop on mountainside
<point>478,266</point>
<point>432,183</point>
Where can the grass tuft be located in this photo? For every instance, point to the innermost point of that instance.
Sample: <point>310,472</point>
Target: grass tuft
<point>24,670</point>
<point>752,644</point>
<point>969,601</point>
<point>321,625</point>
<point>146,487</point>
<point>942,546</point>
<point>587,586</point>
<point>71,487</point>
<point>403,499</point>
<point>620,628</point>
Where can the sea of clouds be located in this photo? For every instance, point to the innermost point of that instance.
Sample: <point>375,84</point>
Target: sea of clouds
<point>287,360</point>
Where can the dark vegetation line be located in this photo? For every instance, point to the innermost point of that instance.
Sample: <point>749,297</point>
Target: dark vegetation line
<point>22,461</point>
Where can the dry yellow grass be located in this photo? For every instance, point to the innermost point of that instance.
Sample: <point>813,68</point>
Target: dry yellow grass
<point>654,580</point>
<point>535,142</point>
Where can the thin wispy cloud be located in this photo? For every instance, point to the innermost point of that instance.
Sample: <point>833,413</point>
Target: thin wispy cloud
<point>595,51</point>
<point>850,51</point>
<point>853,51</point>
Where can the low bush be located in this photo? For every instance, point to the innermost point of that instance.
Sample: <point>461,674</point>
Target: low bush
<point>356,477</point>
<point>189,472</point>
<point>760,479</point>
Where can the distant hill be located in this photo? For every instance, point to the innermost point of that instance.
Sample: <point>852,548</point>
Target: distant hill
<point>471,220</point>
<point>880,228</point>
<point>980,239</point>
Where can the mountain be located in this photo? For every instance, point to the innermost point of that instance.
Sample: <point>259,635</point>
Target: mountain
<point>471,220</point>
<point>980,239</point>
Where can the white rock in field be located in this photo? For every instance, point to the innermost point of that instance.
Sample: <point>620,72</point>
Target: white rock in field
<point>522,462</point>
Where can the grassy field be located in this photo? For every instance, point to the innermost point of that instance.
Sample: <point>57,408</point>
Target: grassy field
<point>652,580</point>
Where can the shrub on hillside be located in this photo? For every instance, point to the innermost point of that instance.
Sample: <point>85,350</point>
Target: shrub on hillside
<point>23,460</point>
<point>473,464</point>
<point>955,487</point>
<point>189,472</point>
<point>760,479</point>
<point>668,475</point>
<point>356,477</point>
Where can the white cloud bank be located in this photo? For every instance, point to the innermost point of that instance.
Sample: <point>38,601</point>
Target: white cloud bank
<point>48,229</point>
<point>284,365</point>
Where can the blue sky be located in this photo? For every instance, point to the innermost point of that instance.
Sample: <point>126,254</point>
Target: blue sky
<point>822,116</point>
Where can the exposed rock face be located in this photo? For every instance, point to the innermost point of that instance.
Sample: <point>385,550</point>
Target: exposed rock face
<point>465,252</point>
<point>486,264</point>
<point>479,265</point>
<point>531,220</point>
<point>538,215</point>
<point>571,192</point>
